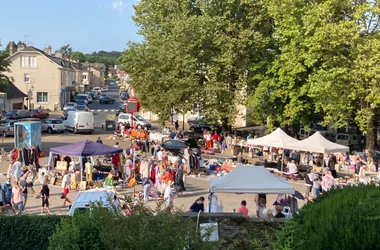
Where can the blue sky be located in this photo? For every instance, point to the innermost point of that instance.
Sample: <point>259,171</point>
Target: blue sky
<point>87,25</point>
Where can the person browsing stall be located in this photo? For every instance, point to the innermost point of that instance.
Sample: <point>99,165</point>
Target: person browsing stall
<point>198,205</point>
<point>243,208</point>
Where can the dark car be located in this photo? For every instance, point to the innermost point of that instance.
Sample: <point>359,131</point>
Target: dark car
<point>80,102</point>
<point>94,94</point>
<point>105,99</point>
<point>174,146</point>
<point>199,127</point>
<point>18,114</point>
<point>124,96</point>
<point>192,120</point>
<point>121,109</point>
<point>39,113</point>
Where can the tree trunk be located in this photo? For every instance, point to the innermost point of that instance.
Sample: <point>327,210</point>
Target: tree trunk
<point>371,135</point>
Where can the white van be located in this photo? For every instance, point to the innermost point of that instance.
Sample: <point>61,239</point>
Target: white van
<point>138,121</point>
<point>79,121</point>
<point>106,199</point>
<point>347,139</point>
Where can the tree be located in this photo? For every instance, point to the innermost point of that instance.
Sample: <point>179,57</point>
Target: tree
<point>66,50</point>
<point>4,67</point>
<point>78,57</point>
<point>198,52</point>
<point>327,64</point>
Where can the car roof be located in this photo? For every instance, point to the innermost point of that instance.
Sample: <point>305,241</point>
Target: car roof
<point>92,196</point>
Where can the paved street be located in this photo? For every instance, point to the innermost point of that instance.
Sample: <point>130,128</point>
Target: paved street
<point>101,110</point>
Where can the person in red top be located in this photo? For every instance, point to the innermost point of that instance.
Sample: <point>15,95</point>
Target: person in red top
<point>116,161</point>
<point>215,137</point>
<point>243,209</point>
<point>168,176</point>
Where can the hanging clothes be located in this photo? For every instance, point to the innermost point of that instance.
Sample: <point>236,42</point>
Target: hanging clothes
<point>144,169</point>
<point>25,156</point>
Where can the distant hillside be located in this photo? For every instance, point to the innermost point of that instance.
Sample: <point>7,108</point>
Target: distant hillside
<point>108,58</point>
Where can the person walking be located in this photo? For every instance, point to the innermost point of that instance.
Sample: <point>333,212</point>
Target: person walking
<point>176,125</point>
<point>147,184</point>
<point>66,182</point>
<point>16,199</point>
<point>178,180</point>
<point>168,195</point>
<point>45,192</point>
<point>17,169</point>
<point>7,192</point>
<point>24,191</point>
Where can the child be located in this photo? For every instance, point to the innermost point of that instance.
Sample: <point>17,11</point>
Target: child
<point>45,191</point>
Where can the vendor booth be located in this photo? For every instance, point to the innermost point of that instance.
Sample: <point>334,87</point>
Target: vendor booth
<point>319,144</point>
<point>83,149</point>
<point>250,179</point>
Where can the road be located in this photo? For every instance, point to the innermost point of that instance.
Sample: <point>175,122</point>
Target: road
<point>100,111</point>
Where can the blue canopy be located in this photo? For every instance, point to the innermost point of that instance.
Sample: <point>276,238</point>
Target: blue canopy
<point>85,148</point>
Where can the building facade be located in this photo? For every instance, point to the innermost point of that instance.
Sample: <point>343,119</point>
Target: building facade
<point>49,81</point>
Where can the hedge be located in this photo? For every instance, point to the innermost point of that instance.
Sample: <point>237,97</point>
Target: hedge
<point>345,218</point>
<point>27,231</point>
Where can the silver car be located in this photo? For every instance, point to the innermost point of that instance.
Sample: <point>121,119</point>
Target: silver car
<point>70,105</point>
<point>7,128</point>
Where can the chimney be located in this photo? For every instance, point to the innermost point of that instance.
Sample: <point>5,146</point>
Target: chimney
<point>48,50</point>
<point>58,54</point>
<point>20,47</point>
<point>11,48</point>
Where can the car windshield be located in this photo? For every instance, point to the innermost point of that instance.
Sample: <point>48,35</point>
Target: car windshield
<point>81,107</point>
<point>70,104</point>
<point>139,118</point>
<point>81,97</point>
<point>56,121</point>
<point>34,111</point>
<point>94,92</point>
<point>11,112</point>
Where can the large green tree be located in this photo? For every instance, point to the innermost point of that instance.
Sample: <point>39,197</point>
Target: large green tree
<point>78,57</point>
<point>202,54</point>
<point>327,64</point>
<point>4,67</point>
<point>66,50</point>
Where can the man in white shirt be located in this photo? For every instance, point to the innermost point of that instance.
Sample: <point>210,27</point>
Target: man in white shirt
<point>159,155</point>
<point>66,182</point>
<point>292,167</point>
<point>168,195</point>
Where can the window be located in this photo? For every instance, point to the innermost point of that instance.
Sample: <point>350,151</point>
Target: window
<point>42,97</point>
<point>84,77</point>
<point>92,72</point>
<point>28,62</point>
<point>26,78</point>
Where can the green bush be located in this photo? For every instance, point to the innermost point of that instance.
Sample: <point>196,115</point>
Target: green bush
<point>142,229</point>
<point>27,231</point>
<point>340,219</point>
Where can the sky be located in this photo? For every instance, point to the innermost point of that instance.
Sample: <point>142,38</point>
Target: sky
<point>87,25</point>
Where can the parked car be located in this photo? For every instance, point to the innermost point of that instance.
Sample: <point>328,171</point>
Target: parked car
<point>98,89</point>
<point>192,120</point>
<point>94,94</point>
<point>69,105</point>
<point>83,107</point>
<point>105,199</point>
<point>328,135</point>
<point>121,109</point>
<point>105,99</point>
<point>174,146</point>
<point>124,96</point>
<point>18,114</point>
<point>39,113</point>
<point>80,98</point>
<point>79,122</point>
<point>7,128</point>
<point>348,139</point>
<point>138,121</point>
<point>52,126</point>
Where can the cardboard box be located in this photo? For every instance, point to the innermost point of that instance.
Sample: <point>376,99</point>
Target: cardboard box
<point>77,176</point>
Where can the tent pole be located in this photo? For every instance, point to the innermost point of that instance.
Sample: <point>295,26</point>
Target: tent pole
<point>209,203</point>
<point>282,162</point>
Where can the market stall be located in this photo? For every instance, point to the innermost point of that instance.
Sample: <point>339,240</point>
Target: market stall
<point>82,149</point>
<point>277,139</point>
<point>319,144</point>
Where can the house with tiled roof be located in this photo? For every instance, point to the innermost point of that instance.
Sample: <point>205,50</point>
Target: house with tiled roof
<point>49,80</point>
<point>96,74</point>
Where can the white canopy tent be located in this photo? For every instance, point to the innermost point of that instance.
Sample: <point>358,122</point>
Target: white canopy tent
<point>250,179</point>
<point>278,139</point>
<point>319,144</point>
